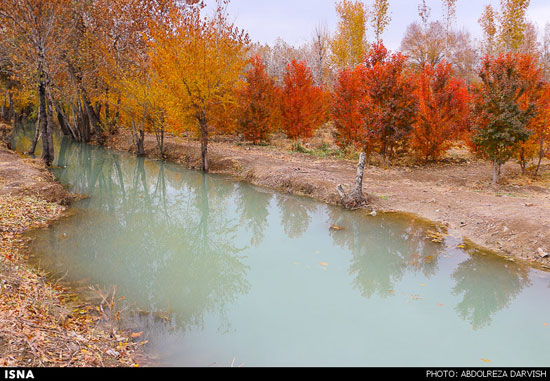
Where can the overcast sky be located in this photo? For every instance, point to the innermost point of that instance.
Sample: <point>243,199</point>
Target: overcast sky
<point>295,20</point>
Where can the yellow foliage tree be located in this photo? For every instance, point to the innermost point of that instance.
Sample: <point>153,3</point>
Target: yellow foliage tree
<point>513,23</point>
<point>199,61</point>
<point>349,43</point>
<point>380,17</point>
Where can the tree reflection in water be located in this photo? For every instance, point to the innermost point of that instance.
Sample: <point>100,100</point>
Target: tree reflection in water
<point>487,284</point>
<point>377,266</point>
<point>180,249</point>
<point>254,208</point>
<point>295,214</point>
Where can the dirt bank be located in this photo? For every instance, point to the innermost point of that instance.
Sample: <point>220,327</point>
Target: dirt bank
<point>512,219</point>
<point>43,323</point>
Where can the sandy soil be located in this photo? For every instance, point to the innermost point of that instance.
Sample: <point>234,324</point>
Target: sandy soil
<point>512,219</point>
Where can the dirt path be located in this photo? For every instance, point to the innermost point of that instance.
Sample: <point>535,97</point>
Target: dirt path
<point>512,220</point>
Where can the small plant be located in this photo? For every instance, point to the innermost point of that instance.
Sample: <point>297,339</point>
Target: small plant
<point>109,307</point>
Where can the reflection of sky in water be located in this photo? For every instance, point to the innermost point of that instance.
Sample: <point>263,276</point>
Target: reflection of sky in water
<point>257,276</point>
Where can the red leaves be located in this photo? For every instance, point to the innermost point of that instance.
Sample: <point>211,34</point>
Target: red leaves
<point>258,110</point>
<point>389,104</point>
<point>303,105</point>
<point>443,110</point>
<point>347,106</point>
<point>372,105</point>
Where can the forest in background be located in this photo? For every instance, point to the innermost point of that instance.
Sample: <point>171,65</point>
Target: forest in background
<point>92,67</point>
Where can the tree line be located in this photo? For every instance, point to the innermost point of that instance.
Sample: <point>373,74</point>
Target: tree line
<point>157,66</point>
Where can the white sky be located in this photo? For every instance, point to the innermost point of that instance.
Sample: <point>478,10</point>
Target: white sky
<point>295,20</point>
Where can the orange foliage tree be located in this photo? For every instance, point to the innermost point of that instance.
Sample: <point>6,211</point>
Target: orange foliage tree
<point>389,107</point>
<point>443,110</point>
<point>379,111</point>
<point>199,61</point>
<point>258,111</point>
<point>539,142</point>
<point>348,99</point>
<point>303,105</point>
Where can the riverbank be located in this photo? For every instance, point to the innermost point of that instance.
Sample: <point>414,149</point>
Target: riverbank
<point>511,219</point>
<point>44,323</point>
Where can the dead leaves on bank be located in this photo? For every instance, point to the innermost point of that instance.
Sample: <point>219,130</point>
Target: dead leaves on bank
<point>39,323</point>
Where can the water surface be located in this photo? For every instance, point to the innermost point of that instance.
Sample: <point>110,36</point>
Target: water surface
<point>226,273</point>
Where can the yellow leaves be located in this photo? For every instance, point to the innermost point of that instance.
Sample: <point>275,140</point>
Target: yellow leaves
<point>349,43</point>
<point>198,60</point>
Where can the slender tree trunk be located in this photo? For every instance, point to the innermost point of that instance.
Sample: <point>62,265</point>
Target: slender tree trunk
<point>496,171</point>
<point>36,136</point>
<point>83,123</point>
<point>541,155</point>
<point>159,133</point>
<point>47,140</point>
<point>523,161</point>
<point>5,105</point>
<point>138,137</point>
<point>204,142</point>
<point>93,118</point>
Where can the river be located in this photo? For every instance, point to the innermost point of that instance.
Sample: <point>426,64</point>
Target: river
<point>221,273</point>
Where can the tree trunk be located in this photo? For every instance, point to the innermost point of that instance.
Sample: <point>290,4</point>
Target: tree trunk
<point>83,123</point>
<point>36,136</point>
<point>93,118</point>
<point>204,143</point>
<point>160,140</point>
<point>541,155</point>
<point>355,199</point>
<point>496,171</point>
<point>138,137</point>
<point>45,127</point>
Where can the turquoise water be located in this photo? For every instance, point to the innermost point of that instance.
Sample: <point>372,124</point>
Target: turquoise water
<point>224,273</point>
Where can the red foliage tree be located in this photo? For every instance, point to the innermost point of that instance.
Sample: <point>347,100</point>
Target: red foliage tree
<point>443,110</point>
<point>379,112</point>
<point>389,106</point>
<point>258,98</point>
<point>303,105</point>
<point>348,99</point>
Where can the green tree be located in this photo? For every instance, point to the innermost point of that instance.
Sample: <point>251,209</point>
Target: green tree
<point>501,110</point>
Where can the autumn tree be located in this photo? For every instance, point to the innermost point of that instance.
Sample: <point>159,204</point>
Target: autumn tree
<point>513,23</point>
<point>540,126</point>
<point>348,97</point>
<point>380,17</point>
<point>488,23</point>
<point>320,49</point>
<point>303,105</point>
<point>430,42</point>
<point>424,46</point>
<point>34,33</point>
<point>535,97</point>
<point>349,43</point>
<point>258,98</point>
<point>442,111</point>
<point>501,112</point>
<point>389,105</point>
<point>449,12</point>
<point>199,60</point>
<point>389,111</point>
